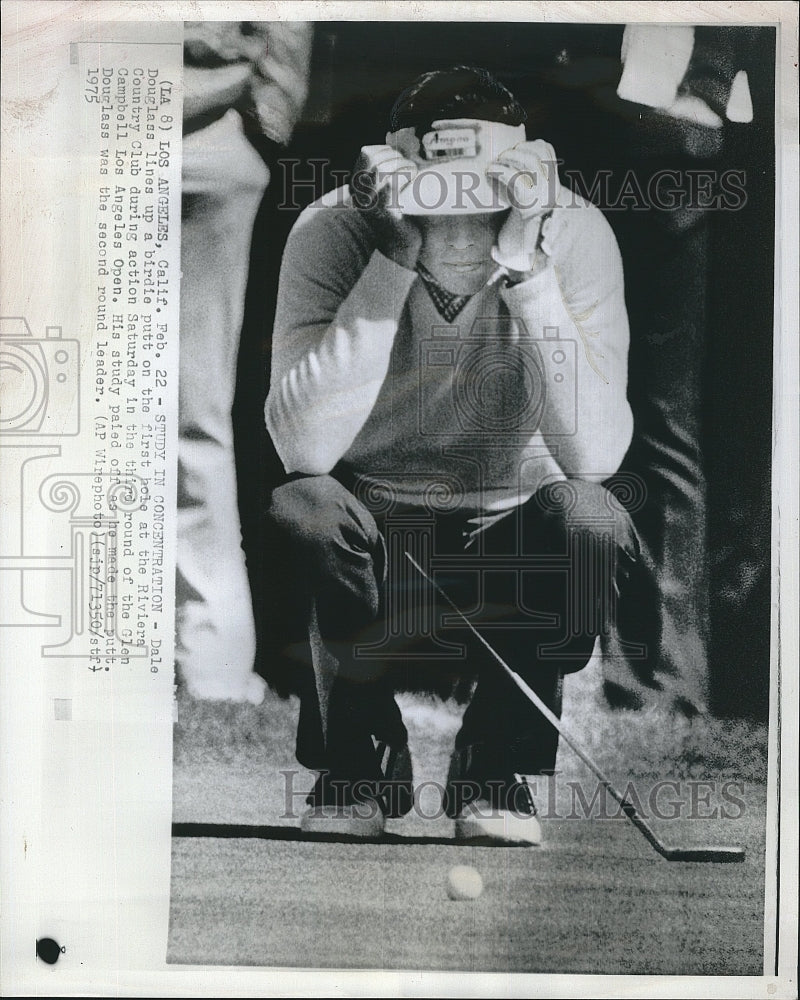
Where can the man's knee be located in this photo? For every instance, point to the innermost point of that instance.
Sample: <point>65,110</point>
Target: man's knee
<point>574,506</point>
<point>314,513</point>
<point>293,505</point>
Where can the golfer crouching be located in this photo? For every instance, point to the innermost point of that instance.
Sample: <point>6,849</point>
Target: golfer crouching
<point>448,382</point>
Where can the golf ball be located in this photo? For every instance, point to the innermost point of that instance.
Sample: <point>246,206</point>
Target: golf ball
<point>464,882</point>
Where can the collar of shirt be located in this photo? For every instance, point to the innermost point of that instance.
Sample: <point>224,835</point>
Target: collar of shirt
<point>448,305</point>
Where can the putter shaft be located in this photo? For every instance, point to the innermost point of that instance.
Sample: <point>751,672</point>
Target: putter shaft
<point>718,854</point>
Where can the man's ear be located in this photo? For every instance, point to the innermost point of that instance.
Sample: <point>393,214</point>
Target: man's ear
<point>405,141</point>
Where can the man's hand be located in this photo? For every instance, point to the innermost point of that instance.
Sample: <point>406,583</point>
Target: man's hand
<point>378,177</point>
<point>527,177</point>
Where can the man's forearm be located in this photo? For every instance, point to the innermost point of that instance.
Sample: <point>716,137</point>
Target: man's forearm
<point>586,418</point>
<point>326,379</point>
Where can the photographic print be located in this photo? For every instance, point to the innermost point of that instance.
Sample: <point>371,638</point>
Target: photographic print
<point>498,449</point>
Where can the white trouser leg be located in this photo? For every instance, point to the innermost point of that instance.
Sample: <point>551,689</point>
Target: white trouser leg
<point>224,180</point>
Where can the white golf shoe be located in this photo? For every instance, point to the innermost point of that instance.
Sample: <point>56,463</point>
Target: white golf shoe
<point>363,820</point>
<point>359,808</point>
<point>480,821</point>
<point>509,817</point>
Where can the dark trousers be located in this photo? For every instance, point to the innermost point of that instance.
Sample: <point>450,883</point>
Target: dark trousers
<point>540,583</point>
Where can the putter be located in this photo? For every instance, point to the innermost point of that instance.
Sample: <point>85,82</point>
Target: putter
<point>718,854</point>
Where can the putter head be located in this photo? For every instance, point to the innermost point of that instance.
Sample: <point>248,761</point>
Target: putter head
<point>719,855</point>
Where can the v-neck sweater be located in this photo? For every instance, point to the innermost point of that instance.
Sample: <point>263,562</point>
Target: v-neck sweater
<point>527,385</point>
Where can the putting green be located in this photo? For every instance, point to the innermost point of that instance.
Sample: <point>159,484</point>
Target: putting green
<point>595,899</point>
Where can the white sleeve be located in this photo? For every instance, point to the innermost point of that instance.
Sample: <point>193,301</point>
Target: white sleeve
<point>575,311</point>
<point>333,337</point>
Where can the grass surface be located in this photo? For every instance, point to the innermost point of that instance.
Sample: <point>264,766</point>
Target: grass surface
<point>594,898</point>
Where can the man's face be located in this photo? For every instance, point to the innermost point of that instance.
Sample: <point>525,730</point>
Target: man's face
<point>456,249</point>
